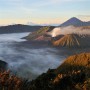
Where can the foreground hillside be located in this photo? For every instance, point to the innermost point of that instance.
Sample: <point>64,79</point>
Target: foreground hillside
<point>72,74</point>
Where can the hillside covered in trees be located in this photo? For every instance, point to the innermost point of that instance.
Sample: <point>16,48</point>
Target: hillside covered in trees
<point>18,28</point>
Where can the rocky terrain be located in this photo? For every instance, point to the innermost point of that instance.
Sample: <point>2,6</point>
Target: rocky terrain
<point>72,40</point>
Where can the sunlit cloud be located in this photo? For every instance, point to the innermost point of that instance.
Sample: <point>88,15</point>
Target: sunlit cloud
<point>84,17</point>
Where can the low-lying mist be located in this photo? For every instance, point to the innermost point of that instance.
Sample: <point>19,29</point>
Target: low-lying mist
<point>28,60</point>
<point>25,61</point>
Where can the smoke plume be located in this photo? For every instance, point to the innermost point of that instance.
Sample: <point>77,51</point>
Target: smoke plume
<point>70,30</point>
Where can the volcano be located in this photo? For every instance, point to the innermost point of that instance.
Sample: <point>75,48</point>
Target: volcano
<point>73,40</point>
<point>76,22</point>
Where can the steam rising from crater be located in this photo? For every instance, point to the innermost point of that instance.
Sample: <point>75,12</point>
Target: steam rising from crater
<point>70,30</point>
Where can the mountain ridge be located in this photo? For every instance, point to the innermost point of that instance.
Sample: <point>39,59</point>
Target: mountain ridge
<point>17,28</point>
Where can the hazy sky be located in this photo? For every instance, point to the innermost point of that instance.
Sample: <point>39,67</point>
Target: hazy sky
<point>43,11</point>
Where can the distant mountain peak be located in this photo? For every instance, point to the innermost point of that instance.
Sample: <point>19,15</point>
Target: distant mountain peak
<point>75,18</point>
<point>72,21</point>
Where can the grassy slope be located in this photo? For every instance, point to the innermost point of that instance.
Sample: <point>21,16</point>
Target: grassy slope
<point>75,62</point>
<point>40,32</point>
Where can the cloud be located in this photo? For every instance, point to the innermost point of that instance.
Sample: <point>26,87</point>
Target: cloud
<point>84,16</point>
<point>36,3</point>
<point>55,2</point>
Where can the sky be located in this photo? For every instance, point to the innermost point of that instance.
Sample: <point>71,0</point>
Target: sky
<point>42,11</point>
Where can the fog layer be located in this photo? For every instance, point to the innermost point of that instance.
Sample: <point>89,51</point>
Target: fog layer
<point>26,61</point>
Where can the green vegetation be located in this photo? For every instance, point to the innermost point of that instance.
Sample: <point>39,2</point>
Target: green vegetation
<point>40,32</point>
